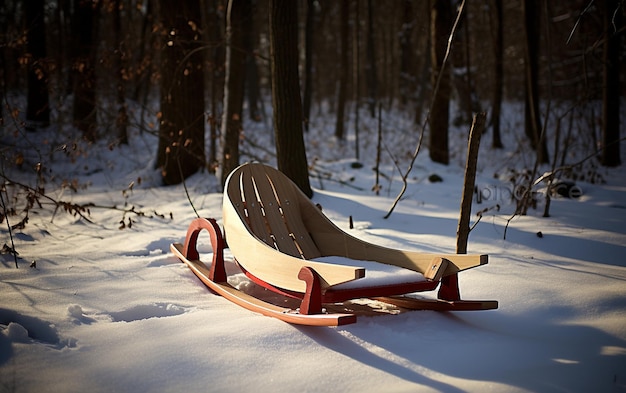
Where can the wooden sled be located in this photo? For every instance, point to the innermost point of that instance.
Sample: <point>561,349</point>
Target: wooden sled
<point>284,243</point>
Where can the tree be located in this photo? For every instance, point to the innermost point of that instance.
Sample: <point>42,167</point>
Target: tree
<point>290,150</point>
<point>461,76</point>
<point>84,28</point>
<point>251,80</point>
<point>121,122</point>
<point>498,53</point>
<point>344,65</point>
<point>181,133</point>
<point>309,41</point>
<point>370,65</point>
<point>38,108</point>
<point>214,34</point>
<point>233,85</point>
<point>441,25</point>
<point>611,83</point>
<point>532,118</point>
<point>406,76</point>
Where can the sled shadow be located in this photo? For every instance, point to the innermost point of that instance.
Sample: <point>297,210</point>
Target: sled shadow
<point>527,352</point>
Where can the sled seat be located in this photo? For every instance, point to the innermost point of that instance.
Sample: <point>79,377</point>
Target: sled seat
<point>274,231</point>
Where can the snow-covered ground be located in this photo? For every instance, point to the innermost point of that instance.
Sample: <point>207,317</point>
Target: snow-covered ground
<point>109,309</point>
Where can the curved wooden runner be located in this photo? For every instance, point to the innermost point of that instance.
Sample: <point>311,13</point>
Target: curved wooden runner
<point>254,304</point>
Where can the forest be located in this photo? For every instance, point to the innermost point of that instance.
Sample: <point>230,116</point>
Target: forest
<point>207,69</point>
<point>120,120</point>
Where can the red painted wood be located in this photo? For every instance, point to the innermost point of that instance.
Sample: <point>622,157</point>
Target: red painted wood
<point>190,251</point>
<point>337,296</point>
<point>449,289</point>
<point>312,300</point>
<point>256,305</point>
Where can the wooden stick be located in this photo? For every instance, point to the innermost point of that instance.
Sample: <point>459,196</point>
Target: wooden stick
<point>478,126</point>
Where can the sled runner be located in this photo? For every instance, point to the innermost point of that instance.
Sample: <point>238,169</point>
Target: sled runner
<point>284,243</point>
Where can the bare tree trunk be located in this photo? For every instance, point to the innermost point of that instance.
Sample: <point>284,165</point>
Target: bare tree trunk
<point>370,65</point>
<point>532,116</point>
<point>611,84</point>
<point>38,107</point>
<point>460,79</point>
<point>290,150</point>
<point>215,34</point>
<point>406,77</point>
<point>251,79</point>
<point>309,43</point>
<point>473,144</point>
<point>356,61</point>
<point>343,71</point>
<point>143,84</point>
<point>441,24</point>
<point>83,67</point>
<point>233,87</point>
<point>181,133</point>
<point>122,117</point>
<point>498,49</point>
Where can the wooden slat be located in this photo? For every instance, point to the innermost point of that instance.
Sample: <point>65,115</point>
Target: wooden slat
<point>287,195</point>
<point>274,267</point>
<point>267,200</point>
<point>256,220</point>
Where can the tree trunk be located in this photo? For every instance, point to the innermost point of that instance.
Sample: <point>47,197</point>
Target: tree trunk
<point>407,73</point>
<point>356,81</point>
<point>38,107</point>
<point>441,25</point>
<point>611,84</point>
<point>309,41</point>
<point>146,38</point>
<point>234,84</point>
<point>473,145</point>
<point>214,32</point>
<point>83,68</point>
<point>532,119</point>
<point>461,76</point>
<point>498,49</point>
<point>290,150</point>
<point>370,65</point>
<point>121,121</point>
<point>343,71</point>
<point>251,79</point>
<point>181,133</point>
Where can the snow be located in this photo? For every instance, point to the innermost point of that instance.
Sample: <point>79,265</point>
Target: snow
<point>108,309</point>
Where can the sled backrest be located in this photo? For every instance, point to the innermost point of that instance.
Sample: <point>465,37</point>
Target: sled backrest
<point>269,204</point>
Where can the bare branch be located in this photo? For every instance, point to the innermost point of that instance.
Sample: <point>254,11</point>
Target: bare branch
<point>423,128</point>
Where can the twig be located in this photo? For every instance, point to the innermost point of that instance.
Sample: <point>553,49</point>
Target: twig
<point>74,208</point>
<point>550,175</point>
<point>423,128</point>
<point>328,176</point>
<point>378,147</point>
<point>180,170</point>
<point>481,213</point>
<point>6,217</point>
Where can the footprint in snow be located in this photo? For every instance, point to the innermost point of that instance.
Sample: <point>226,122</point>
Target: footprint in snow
<point>19,328</point>
<point>147,311</point>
